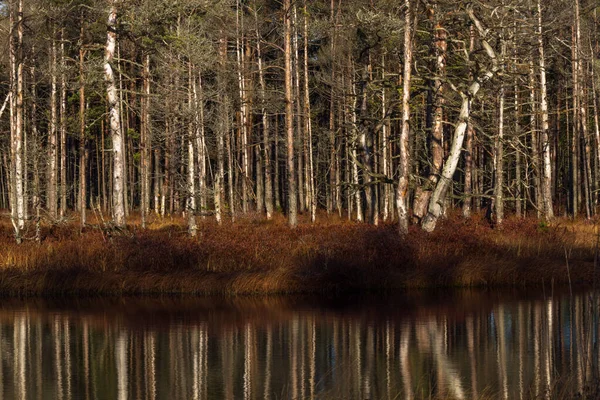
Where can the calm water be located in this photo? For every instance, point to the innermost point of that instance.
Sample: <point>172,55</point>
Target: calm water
<point>465,344</point>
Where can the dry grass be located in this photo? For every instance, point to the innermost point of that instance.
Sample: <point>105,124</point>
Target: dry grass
<point>258,256</point>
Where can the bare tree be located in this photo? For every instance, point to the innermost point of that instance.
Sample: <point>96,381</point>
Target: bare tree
<point>438,197</point>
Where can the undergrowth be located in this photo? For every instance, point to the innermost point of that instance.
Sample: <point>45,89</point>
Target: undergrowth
<point>253,255</point>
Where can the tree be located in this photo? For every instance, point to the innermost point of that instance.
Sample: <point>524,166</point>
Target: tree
<point>404,171</point>
<point>116,133</point>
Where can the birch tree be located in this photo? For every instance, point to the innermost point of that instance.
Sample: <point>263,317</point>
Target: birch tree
<point>17,114</point>
<point>116,133</point>
<point>436,203</point>
<point>547,176</point>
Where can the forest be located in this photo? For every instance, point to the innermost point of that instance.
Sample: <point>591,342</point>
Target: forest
<point>375,111</point>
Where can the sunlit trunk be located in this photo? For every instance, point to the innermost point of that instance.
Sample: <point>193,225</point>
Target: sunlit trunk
<point>310,172</point>
<point>438,196</point>
<point>18,195</point>
<point>547,176</point>
<point>355,177</point>
<point>243,107</point>
<point>115,119</point>
<point>191,167</point>
<point>404,143</point>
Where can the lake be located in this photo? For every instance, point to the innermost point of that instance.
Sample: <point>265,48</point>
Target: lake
<point>458,344</point>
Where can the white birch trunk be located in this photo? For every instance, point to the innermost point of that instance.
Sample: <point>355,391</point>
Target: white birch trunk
<point>438,197</point>
<point>115,118</point>
<point>547,176</point>
<point>19,131</point>
<point>535,150</point>
<point>18,196</point>
<point>191,172</point>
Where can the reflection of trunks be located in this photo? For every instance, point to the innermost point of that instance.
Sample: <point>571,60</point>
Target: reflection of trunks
<point>449,345</point>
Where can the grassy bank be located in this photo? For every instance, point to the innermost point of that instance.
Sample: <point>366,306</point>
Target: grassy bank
<point>258,256</point>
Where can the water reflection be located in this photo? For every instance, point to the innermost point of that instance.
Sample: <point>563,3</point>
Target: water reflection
<point>458,346</point>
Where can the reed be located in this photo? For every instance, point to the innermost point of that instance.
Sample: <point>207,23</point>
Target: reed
<point>258,256</point>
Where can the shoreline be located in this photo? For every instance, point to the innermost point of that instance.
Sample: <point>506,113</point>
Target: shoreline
<point>254,256</point>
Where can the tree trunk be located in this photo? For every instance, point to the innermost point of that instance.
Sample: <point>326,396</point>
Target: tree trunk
<point>298,109</point>
<point>63,126</point>
<point>499,162</point>
<point>243,108</point>
<point>124,130</point>
<point>439,194</point>
<point>115,119</point>
<point>385,143</point>
<point>200,139</point>
<point>582,103</point>
<point>82,139</point>
<point>191,170</point>
<point>145,143</point>
<point>499,151</point>
<point>266,154</point>
<point>356,186</point>
<point>437,130</point>
<point>37,154</point>
<point>517,149</point>
<point>404,168</point>
<point>535,148</point>
<point>230,173</point>
<point>17,134</point>
<point>468,189</point>
<point>219,181</point>
<point>312,199</point>
<point>334,192</point>
<point>575,182</point>
<point>289,118</point>
<point>547,176</point>
<point>51,200</point>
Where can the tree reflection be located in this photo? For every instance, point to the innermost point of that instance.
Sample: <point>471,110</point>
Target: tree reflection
<point>270,349</point>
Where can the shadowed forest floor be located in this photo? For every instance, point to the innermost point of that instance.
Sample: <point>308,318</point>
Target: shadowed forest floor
<point>255,256</point>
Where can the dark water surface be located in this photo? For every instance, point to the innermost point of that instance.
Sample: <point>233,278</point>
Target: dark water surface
<point>459,344</point>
